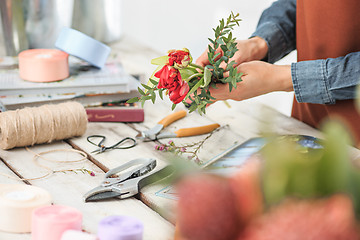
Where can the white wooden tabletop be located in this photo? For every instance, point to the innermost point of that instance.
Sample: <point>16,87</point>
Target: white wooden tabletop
<point>242,121</point>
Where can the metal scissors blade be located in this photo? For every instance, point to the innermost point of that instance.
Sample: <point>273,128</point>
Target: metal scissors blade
<point>151,134</point>
<point>122,185</point>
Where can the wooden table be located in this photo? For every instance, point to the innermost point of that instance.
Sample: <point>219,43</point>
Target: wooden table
<point>242,121</point>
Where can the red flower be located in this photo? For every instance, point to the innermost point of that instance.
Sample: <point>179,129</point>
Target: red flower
<point>167,76</point>
<point>179,58</point>
<point>179,93</point>
<point>170,78</point>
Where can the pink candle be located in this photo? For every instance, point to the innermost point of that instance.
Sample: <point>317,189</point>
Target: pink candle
<point>50,222</point>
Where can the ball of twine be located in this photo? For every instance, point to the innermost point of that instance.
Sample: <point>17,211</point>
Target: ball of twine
<point>44,124</point>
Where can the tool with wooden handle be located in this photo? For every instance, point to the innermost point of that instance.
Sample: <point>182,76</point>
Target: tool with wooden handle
<point>155,132</point>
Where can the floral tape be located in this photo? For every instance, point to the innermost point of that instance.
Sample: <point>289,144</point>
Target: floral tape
<point>82,46</point>
<point>17,202</point>
<point>50,222</point>
<point>43,65</point>
<point>120,228</point>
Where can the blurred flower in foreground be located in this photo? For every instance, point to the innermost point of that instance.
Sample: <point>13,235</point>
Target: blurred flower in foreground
<point>291,192</point>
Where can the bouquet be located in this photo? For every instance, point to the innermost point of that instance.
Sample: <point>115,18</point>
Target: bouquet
<point>183,81</point>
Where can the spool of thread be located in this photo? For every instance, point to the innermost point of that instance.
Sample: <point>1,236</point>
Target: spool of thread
<point>120,228</point>
<point>43,65</point>
<point>77,235</point>
<point>17,202</point>
<point>82,46</point>
<point>44,124</point>
<point>50,222</point>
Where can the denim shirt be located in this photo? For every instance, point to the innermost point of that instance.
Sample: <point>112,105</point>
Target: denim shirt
<point>317,81</point>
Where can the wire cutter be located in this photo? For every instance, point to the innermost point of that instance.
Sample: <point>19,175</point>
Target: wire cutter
<point>155,132</point>
<point>127,184</point>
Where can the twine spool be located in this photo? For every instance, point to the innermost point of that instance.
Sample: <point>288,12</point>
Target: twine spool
<point>44,124</point>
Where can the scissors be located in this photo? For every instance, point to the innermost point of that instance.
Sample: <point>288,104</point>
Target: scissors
<point>155,132</point>
<point>102,148</point>
<point>130,182</point>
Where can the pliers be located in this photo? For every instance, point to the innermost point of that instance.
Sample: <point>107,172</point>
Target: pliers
<point>155,132</point>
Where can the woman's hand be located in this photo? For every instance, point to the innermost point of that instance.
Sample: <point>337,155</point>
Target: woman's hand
<point>259,78</point>
<point>248,50</point>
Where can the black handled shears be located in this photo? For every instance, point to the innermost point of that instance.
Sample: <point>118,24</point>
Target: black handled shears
<point>124,143</point>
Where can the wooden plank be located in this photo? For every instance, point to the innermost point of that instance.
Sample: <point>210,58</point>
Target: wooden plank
<point>219,142</point>
<point>68,189</point>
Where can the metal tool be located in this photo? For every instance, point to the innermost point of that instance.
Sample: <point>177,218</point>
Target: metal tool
<point>102,148</point>
<point>155,132</point>
<point>127,184</point>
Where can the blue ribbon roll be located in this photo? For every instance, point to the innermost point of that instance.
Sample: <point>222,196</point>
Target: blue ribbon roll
<point>82,46</point>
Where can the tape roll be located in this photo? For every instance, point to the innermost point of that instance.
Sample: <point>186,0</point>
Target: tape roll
<point>43,65</point>
<point>82,46</point>
<point>17,202</point>
<point>120,228</point>
<point>50,222</point>
<point>77,235</point>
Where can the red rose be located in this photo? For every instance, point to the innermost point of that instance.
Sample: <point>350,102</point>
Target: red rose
<point>179,58</point>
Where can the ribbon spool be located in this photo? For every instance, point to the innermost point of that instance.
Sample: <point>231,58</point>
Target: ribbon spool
<point>77,235</point>
<point>43,65</point>
<point>82,46</point>
<point>29,126</point>
<point>17,202</point>
<point>120,228</point>
<point>50,222</point>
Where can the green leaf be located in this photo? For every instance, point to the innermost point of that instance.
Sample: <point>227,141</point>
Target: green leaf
<point>195,87</point>
<point>173,106</point>
<point>153,82</point>
<point>153,97</point>
<point>132,100</point>
<point>141,91</point>
<point>216,55</point>
<point>186,73</point>
<point>146,86</point>
<point>161,94</point>
<point>160,60</point>
<point>207,77</point>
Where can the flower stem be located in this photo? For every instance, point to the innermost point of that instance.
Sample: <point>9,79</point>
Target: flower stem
<point>194,75</point>
<point>195,87</point>
<point>196,66</point>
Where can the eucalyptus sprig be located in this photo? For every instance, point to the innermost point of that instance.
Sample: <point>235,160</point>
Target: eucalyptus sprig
<point>189,83</point>
<point>213,73</point>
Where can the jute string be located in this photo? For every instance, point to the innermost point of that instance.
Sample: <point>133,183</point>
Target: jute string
<point>44,124</point>
<point>50,171</point>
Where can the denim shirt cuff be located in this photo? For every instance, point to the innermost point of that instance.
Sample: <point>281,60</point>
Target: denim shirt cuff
<point>274,38</point>
<point>309,82</point>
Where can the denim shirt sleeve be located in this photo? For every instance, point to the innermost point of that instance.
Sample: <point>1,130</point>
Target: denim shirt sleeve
<point>277,27</point>
<point>326,80</point>
<point>319,81</point>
